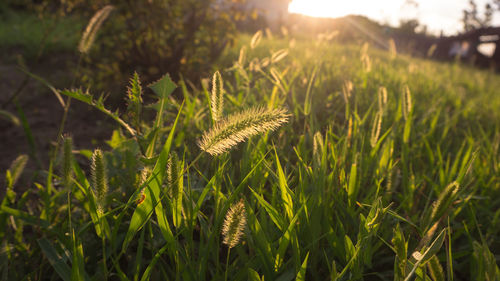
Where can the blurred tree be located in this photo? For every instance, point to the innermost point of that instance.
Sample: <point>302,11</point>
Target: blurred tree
<point>471,18</point>
<point>154,37</point>
<point>408,26</point>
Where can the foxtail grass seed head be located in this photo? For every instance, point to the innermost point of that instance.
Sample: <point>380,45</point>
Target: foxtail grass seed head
<point>134,99</point>
<point>276,76</point>
<point>99,179</point>
<point>444,201</point>
<point>284,31</point>
<point>217,99</point>
<point>382,98</point>
<point>347,90</point>
<point>407,105</point>
<point>243,56</point>
<point>364,49</point>
<point>392,48</point>
<point>367,62</point>
<point>376,126</point>
<point>256,39</point>
<point>269,33</point>
<point>234,223</point>
<point>431,51</point>
<point>67,165</point>
<point>279,55</point>
<point>318,146</point>
<point>254,65</point>
<point>172,174</point>
<point>239,127</point>
<point>15,170</point>
<point>349,132</point>
<point>92,28</point>
<point>145,173</point>
<point>265,62</point>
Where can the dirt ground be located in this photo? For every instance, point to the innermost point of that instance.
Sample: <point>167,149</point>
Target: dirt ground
<point>43,112</point>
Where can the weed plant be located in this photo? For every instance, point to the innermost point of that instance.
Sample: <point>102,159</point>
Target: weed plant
<point>383,167</point>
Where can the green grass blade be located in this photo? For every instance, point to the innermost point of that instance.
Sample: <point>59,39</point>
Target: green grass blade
<point>77,265</point>
<point>285,241</point>
<point>352,189</point>
<point>271,211</point>
<point>55,259</point>
<point>147,273</point>
<point>301,275</point>
<point>27,218</point>
<point>152,192</point>
<point>286,193</point>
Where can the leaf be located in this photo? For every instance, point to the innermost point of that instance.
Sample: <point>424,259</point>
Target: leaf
<point>163,87</point>
<point>271,211</point>
<point>285,240</point>
<point>285,191</point>
<point>152,196</point>
<point>17,168</point>
<point>147,273</point>
<point>352,190</point>
<point>253,275</point>
<point>431,251</point>
<point>98,104</point>
<point>308,99</point>
<point>77,265</point>
<point>301,275</point>
<point>79,95</point>
<point>435,269</point>
<point>47,84</point>
<point>27,218</point>
<point>401,248</point>
<point>57,261</point>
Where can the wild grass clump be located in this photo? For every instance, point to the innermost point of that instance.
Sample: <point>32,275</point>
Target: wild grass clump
<point>367,181</point>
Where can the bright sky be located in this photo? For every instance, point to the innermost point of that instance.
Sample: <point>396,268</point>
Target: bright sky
<point>436,14</point>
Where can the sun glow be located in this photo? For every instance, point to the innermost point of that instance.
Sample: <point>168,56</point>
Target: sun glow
<point>333,8</point>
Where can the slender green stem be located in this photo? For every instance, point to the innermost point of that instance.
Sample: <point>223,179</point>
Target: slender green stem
<point>227,263</point>
<point>104,258</point>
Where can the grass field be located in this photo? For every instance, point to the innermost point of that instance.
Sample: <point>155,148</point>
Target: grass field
<point>378,167</point>
<point>27,34</point>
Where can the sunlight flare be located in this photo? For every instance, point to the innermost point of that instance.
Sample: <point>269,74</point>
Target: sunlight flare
<point>331,8</point>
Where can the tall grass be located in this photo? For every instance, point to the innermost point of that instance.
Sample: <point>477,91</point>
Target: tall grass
<point>386,171</point>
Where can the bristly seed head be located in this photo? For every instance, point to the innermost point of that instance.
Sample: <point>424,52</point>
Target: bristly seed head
<point>99,179</point>
<point>235,222</point>
<point>238,127</point>
<point>92,28</point>
<point>217,99</point>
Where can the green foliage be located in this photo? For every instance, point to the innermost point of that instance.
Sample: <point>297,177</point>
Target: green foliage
<point>159,36</point>
<point>30,35</point>
<point>337,192</point>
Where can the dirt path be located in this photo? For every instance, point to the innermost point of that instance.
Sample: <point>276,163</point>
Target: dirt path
<point>43,112</point>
